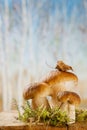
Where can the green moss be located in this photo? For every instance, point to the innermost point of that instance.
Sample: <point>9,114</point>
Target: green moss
<point>53,117</point>
<point>81,115</point>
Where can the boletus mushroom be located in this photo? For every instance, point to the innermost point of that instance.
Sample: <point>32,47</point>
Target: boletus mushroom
<point>37,92</point>
<point>69,102</point>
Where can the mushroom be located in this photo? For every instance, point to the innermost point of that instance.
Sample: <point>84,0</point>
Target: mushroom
<point>60,81</point>
<point>37,92</point>
<point>69,101</point>
<point>56,81</point>
<point>61,66</point>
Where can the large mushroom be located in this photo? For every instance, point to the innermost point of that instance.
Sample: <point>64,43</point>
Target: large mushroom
<point>60,81</point>
<point>69,101</point>
<point>50,86</point>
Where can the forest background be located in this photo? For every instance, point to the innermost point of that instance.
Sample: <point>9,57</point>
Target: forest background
<point>34,35</point>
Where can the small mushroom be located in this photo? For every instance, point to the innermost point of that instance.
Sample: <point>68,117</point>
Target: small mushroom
<point>69,101</point>
<point>37,92</point>
<point>61,66</point>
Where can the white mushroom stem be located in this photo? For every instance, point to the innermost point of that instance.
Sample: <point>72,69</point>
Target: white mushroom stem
<point>53,102</point>
<point>64,107</point>
<point>71,113</point>
<point>40,101</point>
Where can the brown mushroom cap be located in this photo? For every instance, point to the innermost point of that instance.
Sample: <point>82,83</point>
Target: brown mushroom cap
<point>70,97</point>
<point>35,89</point>
<point>56,77</point>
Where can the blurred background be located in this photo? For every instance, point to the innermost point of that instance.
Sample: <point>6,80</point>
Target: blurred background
<point>34,35</point>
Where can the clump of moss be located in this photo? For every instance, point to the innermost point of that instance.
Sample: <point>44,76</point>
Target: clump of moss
<point>53,117</point>
<point>81,115</point>
<point>58,117</point>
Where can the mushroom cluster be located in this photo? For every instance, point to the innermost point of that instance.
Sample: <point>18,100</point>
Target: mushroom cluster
<point>57,85</point>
